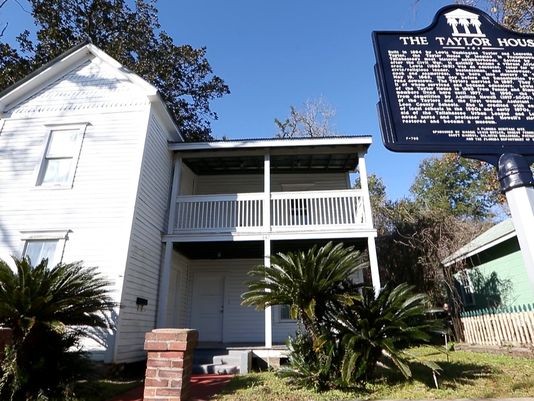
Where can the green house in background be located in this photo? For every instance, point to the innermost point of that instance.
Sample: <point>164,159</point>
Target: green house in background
<point>494,273</point>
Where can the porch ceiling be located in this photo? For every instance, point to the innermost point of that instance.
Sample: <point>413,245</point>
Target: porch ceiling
<point>280,164</point>
<point>253,249</point>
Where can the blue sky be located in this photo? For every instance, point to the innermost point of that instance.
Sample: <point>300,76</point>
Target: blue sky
<point>278,53</point>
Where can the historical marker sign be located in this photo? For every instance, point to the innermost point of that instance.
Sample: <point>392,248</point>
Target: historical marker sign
<point>464,84</point>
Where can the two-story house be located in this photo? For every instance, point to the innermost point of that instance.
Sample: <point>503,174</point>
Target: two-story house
<point>93,168</point>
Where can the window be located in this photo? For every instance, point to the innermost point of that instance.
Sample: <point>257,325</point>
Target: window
<point>467,290</point>
<point>357,277</point>
<point>60,156</point>
<point>285,313</point>
<point>39,245</point>
<point>38,250</point>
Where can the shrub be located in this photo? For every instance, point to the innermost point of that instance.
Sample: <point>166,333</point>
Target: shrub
<point>381,329</point>
<point>46,310</point>
<point>346,331</point>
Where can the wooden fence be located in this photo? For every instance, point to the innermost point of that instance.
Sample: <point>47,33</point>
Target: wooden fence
<point>503,326</point>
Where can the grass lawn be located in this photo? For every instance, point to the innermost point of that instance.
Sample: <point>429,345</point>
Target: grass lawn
<point>103,390</point>
<point>465,375</point>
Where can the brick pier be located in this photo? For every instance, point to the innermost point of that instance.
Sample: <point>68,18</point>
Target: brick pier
<point>169,364</point>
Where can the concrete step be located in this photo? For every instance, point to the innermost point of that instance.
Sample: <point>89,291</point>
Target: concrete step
<point>227,360</point>
<point>225,369</point>
<point>203,368</point>
<point>240,358</point>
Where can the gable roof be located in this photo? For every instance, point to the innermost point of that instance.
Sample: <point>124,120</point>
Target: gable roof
<point>68,60</point>
<point>494,236</point>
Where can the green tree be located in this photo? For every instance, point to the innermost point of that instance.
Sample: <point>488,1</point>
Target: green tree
<point>457,186</point>
<point>416,241</point>
<point>134,38</point>
<point>47,310</point>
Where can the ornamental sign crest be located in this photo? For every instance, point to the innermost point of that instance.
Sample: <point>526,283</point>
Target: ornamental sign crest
<point>466,20</point>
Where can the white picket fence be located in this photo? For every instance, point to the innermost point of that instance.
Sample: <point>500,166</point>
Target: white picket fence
<point>513,326</point>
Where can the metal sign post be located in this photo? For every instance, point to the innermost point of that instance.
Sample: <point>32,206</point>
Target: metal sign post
<point>517,183</point>
<point>465,84</point>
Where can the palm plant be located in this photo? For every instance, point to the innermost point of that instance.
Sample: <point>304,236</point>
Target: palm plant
<point>348,330</point>
<point>310,282</point>
<point>381,329</point>
<point>46,309</point>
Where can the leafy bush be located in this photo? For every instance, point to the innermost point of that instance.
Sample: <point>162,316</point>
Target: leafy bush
<point>311,366</point>
<point>346,331</point>
<point>46,310</point>
<point>381,329</point>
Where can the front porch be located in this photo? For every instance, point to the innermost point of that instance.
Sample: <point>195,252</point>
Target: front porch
<point>236,203</point>
<point>205,287</point>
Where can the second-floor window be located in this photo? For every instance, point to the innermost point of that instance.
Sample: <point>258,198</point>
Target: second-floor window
<point>60,156</point>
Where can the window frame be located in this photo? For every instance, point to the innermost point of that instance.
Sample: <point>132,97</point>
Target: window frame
<point>279,314</point>
<point>468,289</point>
<point>61,236</point>
<point>43,160</point>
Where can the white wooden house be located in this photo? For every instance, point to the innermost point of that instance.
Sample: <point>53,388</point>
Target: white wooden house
<point>93,168</point>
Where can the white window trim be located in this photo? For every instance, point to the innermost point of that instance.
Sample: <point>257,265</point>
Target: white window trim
<point>61,236</point>
<point>468,288</point>
<point>40,168</point>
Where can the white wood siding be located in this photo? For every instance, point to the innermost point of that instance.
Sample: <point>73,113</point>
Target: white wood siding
<point>93,85</point>
<point>228,184</point>
<point>241,323</point>
<point>180,292</point>
<point>144,258</point>
<point>99,207</point>
<point>187,181</point>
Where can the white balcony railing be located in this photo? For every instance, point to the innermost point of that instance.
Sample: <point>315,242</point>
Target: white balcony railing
<point>296,210</point>
<point>310,210</point>
<point>235,212</point>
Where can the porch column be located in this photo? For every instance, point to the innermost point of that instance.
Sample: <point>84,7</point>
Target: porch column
<point>267,193</point>
<point>165,272</point>
<point>268,311</point>
<point>373,261</point>
<point>267,240</point>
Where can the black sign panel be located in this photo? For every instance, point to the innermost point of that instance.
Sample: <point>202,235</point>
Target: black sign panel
<point>464,84</point>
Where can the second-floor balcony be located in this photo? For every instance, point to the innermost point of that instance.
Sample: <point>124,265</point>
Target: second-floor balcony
<point>284,189</point>
<point>244,213</point>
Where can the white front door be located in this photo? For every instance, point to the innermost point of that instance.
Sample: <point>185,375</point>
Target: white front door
<point>208,306</point>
